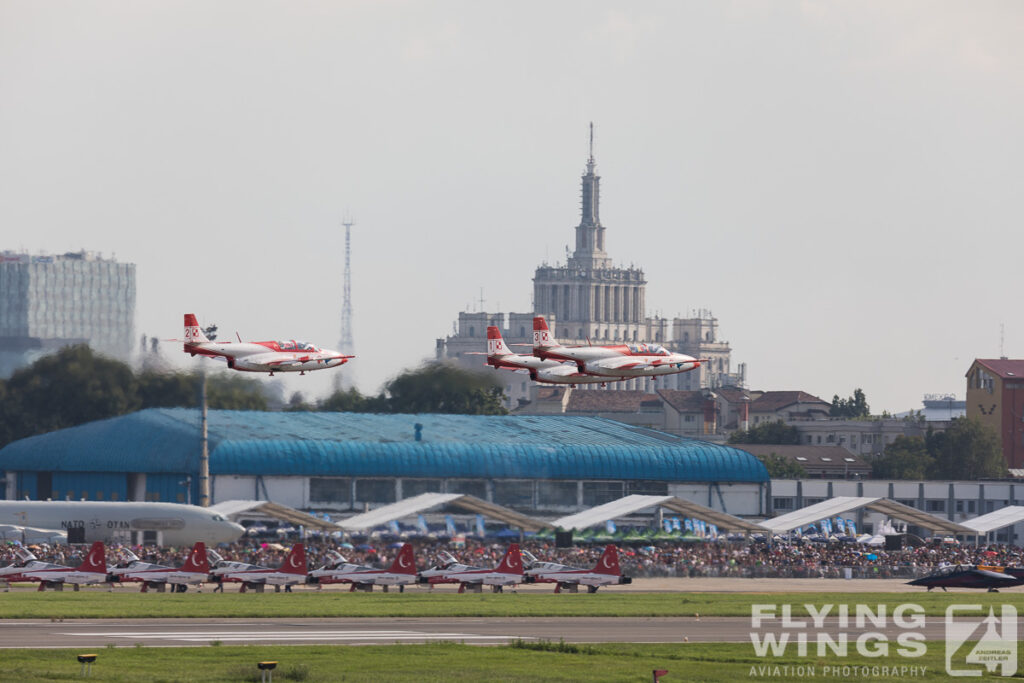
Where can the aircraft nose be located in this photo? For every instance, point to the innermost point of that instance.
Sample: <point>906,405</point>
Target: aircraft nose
<point>238,528</point>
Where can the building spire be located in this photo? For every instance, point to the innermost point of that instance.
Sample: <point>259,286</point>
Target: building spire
<point>590,251</point>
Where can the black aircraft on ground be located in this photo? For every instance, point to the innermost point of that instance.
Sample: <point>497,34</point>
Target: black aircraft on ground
<point>971,576</point>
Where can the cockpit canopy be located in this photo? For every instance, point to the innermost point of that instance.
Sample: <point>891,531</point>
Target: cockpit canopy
<point>648,350</point>
<point>294,345</point>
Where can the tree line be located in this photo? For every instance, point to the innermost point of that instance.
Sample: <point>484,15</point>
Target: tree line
<point>76,385</point>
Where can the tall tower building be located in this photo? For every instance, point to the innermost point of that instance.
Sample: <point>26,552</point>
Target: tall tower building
<point>589,297</point>
<point>346,380</point>
<point>48,302</point>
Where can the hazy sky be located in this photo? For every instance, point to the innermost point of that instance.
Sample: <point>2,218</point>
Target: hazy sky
<point>840,183</point>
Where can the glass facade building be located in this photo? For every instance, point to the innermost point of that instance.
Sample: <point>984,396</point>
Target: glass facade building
<point>48,302</point>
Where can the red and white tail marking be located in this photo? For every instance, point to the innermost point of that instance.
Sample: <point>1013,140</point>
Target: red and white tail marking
<point>193,333</point>
<point>405,563</point>
<point>495,344</point>
<point>197,562</point>
<point>295,563</point>
<point>541,334</point>
<point>95,561</point>
<point>609,562</point>
<point>512,563</point>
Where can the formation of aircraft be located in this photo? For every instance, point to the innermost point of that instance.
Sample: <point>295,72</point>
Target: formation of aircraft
<point>92,570</point>
<point>262,356</point>
<point>605,573</point>
<point>970,576</point>
<point>401,572</point>
<point>552,363</point>
<point>194,571</point>
<point>291,572</point>
<point>108,521</point>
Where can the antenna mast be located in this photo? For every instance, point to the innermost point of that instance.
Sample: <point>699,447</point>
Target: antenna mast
<point>346,345</point>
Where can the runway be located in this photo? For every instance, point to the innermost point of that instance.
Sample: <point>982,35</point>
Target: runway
<point>92,633</point>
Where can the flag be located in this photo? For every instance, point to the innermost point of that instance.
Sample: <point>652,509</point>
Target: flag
<point>421,524</point>
<point>851,527</point>
<point>480,526</point>
<point>449,525</point>
<point>393,526</point>
<point>714,530</point>
<point>688,524</point>
<point>666,524</point>
<point>676,524</point>
<point>840,525</point>
<point>609,526</point>
<point>826,527</point>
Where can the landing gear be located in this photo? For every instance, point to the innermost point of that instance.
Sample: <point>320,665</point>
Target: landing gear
<point>271,373</point>
<point>301,373</point>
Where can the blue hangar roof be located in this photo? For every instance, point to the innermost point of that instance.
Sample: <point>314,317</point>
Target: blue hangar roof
<point>371,445</point>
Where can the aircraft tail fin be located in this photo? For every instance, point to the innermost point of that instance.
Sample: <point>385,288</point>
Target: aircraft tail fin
<point>542,338</point>
<point>197,561</point>
<point>405,562</point>
<point>495,344</point>
<point>295,563</point>
<point>512,563</point>
<point>609,562</point>
<point>193,333</point>
<point>95,561</point>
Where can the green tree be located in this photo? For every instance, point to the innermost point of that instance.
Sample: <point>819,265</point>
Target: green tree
<point>445,388</point>
<point>966,450</point>
<point>351,401</point>
<point>856,407</point>
<point>64,389</point>
<point>906,457</point>
<point>777,432</point>
<point>782,468</point>
<point>227,391</point>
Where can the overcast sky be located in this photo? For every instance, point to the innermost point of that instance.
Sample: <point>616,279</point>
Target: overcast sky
<point>840,183</point>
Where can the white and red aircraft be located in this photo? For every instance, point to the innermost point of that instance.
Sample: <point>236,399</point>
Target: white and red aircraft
<point>545,371</point>
<point>264,356</point>
<point>93,569</point>
<point>622,361</point>
<point>401,572</point>
<point>292,571</point>
<point>446,564</point>
<point>195,571</point>
<point>509,572</point>
<point>605,573</point>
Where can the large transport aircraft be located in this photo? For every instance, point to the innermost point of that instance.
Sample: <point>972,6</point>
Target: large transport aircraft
<point>133,522</point>
<point>195,571</point>
<point>401,572</point>
<point>509,572</point>
<point>292,571</point>
<point>617,360</point>
<point>92,570</point>
<point>543,371</point>
<point>970,576</point>
<point>262,356</point>
<point>605,573</point>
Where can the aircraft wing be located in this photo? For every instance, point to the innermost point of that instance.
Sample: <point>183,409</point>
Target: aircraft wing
<point>620,363</point>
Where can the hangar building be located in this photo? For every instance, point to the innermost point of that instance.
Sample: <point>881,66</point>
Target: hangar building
<point>353,462</point>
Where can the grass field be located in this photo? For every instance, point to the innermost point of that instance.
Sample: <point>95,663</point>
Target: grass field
<point>100,604</point>
<point>449,662</point>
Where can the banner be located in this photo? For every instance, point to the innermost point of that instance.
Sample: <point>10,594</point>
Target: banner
<point>449,526</point>
<point>480,531</point>
<point>421,524</point>
<point>609,526</point>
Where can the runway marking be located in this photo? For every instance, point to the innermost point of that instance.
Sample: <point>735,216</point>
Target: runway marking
<point>205,636</point>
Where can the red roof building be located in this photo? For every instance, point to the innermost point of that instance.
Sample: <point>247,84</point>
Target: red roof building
<point>995,396</point>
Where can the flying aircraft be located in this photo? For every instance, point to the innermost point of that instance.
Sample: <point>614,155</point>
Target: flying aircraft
<point>969,576</point>
<point>605,573</point>
<point>543,371</point>
<point>292,571</point>
<point>160,523</point>
<point>622,361</point>
<point>93,569</point>
<point>509,572</point>
<point>362,578</point>
<point>264,356</point>
<point>196,570</point>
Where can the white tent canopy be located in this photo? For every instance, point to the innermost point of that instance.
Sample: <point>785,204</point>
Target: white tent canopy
<point>842,505</point>
<point>233,509</point>
<point>624,507</point>
<point>1007,516</point>
<point>425,501</point>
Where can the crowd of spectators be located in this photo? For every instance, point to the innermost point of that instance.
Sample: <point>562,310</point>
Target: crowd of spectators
<point>798,559</point>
